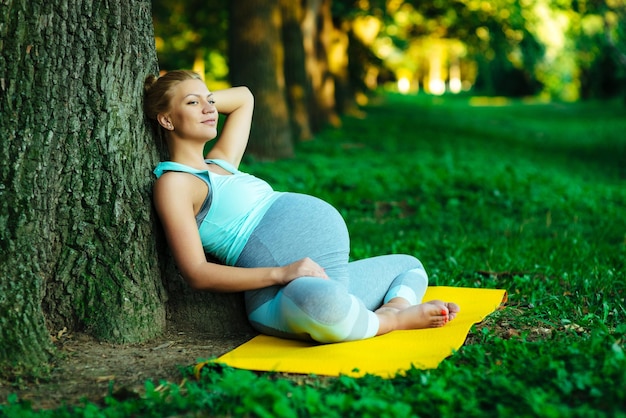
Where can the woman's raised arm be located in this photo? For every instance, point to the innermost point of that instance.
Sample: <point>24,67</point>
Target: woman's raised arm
<point>237,103</point>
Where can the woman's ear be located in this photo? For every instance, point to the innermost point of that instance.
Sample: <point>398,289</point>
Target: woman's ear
<point>165,121</point>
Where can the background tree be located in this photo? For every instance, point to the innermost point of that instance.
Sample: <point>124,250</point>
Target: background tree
<point>298,85</point>
<point>77,248</point>
<point>256,60</point>
<point>599,36</point>
<point>317,29</point>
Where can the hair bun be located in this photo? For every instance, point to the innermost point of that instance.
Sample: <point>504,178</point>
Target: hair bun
<point>149,82</point>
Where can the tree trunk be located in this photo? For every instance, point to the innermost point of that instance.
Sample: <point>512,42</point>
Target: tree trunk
<point>256,60</point>
<point>77,248</point>
<point>317,29</point>
<point>297,82</point>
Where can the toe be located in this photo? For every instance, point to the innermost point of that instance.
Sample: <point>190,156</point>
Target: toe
<point>453,309</point>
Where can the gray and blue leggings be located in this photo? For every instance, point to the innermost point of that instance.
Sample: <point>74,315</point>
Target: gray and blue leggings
<point>339,309</point>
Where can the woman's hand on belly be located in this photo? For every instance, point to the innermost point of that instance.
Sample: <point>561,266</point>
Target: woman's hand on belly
<point>302,268</point>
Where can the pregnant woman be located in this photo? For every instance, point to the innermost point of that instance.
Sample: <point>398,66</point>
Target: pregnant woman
<point>288,252</point>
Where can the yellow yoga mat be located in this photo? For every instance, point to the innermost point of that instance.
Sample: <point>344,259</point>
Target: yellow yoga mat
<point>385,356</point>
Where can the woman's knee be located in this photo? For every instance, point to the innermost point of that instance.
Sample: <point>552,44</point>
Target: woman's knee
<point>315,308</point>
<point>324,310</point>
<point>325,301</point>
<point>411,262</point>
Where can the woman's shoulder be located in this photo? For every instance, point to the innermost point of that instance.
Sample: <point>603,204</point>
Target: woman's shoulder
<point>176,190</point>
<point>174,182</point>
<point>176,178</point>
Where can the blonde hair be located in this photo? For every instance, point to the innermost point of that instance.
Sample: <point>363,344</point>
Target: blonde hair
<point>158,91</point>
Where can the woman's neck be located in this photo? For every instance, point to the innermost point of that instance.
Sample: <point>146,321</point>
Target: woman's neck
<point>188,155</point>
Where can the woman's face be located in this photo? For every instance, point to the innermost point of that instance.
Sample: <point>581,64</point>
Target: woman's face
<point>192,113</point>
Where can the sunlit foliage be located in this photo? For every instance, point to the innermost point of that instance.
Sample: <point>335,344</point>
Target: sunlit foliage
<point>192,34</point>
<point>565,50</point>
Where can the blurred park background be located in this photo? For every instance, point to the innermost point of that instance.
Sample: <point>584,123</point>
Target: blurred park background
<point>310,61</point>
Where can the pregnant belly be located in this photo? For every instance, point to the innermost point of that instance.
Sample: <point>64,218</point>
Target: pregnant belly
<point>297,226</point>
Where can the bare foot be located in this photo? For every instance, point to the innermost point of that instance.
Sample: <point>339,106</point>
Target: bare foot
<point>397,315</point>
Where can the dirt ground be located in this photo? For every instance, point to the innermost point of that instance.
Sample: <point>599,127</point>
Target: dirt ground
<point>86,367</point>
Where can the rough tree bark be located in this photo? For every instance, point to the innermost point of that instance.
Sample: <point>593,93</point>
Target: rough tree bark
<point>77,248</point>
<point>256,60</point>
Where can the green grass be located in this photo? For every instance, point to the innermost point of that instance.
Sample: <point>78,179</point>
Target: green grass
<point>526,197</point>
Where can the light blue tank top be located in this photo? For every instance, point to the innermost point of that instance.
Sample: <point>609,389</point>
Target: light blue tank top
<point>233,208</point>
